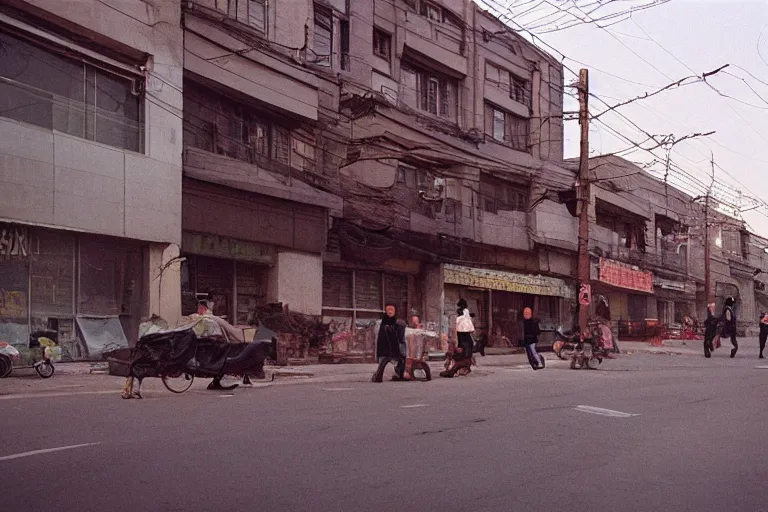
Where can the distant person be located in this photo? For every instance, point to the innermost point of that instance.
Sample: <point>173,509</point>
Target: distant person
<point>710,330</point>
<point>763,333</point>
<point>729,324</point>
<point>531,333</point>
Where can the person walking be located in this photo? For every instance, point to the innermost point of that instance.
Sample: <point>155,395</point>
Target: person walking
<point>729,324</point>
<point>464,329</point>
<point>763,333</point>
<point>531,333</point>
<point>390,344</point>
<point>710,330</point>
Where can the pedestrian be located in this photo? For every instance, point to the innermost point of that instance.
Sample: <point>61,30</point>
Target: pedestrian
<point>464,329</point>
<point>531,333</point>
<point>710,330</point>
<point>763,332</point>
<point>728,319</point>
<point>390,344</point>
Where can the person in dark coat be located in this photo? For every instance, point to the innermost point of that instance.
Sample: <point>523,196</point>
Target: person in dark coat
<point>531,333</point>
<point>728,320</point>
<point>763,332</point>
<point>710,330</point>
<point>390,343</point>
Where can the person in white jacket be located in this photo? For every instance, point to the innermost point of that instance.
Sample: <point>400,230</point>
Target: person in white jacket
<point>464,329</point>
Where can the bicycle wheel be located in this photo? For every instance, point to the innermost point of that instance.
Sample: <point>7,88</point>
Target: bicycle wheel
<point>45,370</point>
<point>177,382</point>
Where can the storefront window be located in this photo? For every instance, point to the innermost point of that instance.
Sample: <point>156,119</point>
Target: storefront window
<point>252,281</point>
<point>14,281</point>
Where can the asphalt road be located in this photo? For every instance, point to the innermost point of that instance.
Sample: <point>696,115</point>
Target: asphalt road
<point>692,438</point>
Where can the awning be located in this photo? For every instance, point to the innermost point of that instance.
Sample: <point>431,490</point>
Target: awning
<point>507,281</point>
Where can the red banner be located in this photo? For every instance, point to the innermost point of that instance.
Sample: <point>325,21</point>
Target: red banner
<point>624,276</point>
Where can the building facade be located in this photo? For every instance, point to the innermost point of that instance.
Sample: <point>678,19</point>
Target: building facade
<point>90,170</point>
<point>647,244</point>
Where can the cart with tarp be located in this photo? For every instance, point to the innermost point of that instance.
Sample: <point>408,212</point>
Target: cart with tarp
<point>203,346</point>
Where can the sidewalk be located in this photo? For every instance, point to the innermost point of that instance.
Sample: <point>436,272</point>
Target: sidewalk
<point>91,378</point>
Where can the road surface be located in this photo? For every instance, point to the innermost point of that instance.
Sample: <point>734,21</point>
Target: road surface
<point>644,433</point>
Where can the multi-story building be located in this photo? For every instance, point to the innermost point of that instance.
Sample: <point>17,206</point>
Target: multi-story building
<point>647,245</point>
<point>329,155</point>
<point>90,169</point>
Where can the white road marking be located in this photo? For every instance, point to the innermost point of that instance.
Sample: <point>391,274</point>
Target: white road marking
<point>47,450</point>
<point>604,412</point>
<point>224,396</point>
<point>414,406</point>
<point>338,389</point>
<point>764,367</point>
<point>53,395</point>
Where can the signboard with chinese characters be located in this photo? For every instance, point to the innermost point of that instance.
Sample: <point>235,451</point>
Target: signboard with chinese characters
<point>507,281</point>
<point>227,248</point>
<point>622,275</point>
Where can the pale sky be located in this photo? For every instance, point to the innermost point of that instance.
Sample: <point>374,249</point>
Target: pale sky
<point>661,45</point>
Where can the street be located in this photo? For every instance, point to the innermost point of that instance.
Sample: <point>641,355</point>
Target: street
<point>669,433</point>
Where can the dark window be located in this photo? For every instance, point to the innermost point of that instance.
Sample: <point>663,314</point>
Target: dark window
<point>429,92</point>
<point>257,14</point>
<point>216,123</point>
<point>43,88</point>
<point>323,42</point>
<point>382,44</point>
<point>498,195</point>
<point>507,128</point>
<point>520,90</point>
<point>344,44</point>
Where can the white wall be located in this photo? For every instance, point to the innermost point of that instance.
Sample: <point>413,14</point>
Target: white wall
<point>297,280</point>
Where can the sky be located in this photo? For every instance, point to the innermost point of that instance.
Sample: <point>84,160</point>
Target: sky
<point>628,56</point>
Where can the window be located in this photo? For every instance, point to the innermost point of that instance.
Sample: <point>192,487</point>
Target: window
<point>499,195</point>
<point>434,93</point>
<point>257,14</point>
<point>507,128</point>
<point>363,292</point>
<point>52,91</point>
<point>414,179</point>
<point>215,123</point>
<point>382,44</point>
<point>517,88</point>
<point>432,12</point>
<point>344,44</point>
<point>323,42</point>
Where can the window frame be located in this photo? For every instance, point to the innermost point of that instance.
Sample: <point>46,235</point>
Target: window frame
<point>513,124</point>
<point>265,9</point>
<point>322,11</point>
<point>436,94</point>
<point>382,37</point>
<point>93,66</point>
<point>500,195</point>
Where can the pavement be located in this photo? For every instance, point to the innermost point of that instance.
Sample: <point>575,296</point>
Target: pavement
<point>645,432</point>
<point>91,378</point>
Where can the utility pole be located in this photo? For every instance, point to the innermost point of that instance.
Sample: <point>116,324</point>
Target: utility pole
<point>707,247</point>
<point>583,192</point>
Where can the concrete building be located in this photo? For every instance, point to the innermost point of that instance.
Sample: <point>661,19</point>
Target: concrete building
<point>647,245</point>
<point>90,169</point>
<point>451,175</point>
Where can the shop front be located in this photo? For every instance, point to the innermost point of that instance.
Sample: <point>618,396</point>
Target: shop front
<point>353,302</point>
<point>87,291</point>
<point>497,298</point>
<point>676,301</point>
<point>630,295</point>
<point>233,274</point>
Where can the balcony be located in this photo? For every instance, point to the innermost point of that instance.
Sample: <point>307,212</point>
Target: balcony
<point>441,42</point>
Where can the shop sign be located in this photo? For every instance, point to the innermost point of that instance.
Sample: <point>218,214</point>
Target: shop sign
<point>226,248</point>
<point>14,242</point>
<point>622,275</point>
<point>507,281</point>
<point>675,286</point>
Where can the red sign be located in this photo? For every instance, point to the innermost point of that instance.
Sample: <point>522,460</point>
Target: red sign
<point>624,276</point>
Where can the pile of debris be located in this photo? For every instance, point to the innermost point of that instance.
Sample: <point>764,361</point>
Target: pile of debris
<point>278,318</point>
